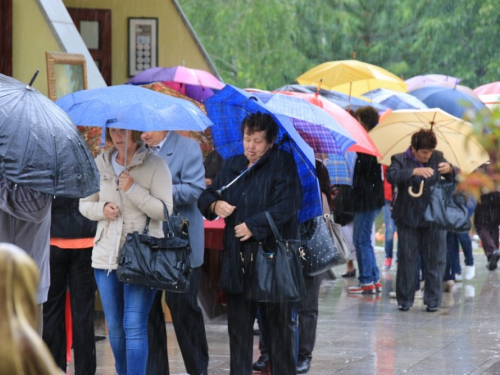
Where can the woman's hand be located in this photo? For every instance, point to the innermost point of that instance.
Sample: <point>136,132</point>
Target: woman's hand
<point>111,211</point>
<point>425,172</point>
<point>125,181</point>
<point>444,168</point>
<point>223,209</point>
<point>242,232</point>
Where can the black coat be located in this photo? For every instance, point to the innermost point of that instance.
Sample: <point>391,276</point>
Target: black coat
<point>273,185</point>
<point>407,209</point>
<point>367,184</point>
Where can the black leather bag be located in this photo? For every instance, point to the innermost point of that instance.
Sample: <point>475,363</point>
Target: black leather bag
<point>161,263</point>
<point>320,251</point>
<point>447,209</point>
<point>276,276</point>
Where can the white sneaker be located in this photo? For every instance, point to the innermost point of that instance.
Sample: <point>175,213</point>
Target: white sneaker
<point>392,294</point>
<point>458,277</point>
<point>470,272</point>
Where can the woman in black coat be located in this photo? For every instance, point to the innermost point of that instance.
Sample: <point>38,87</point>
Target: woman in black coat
<point>421,162</point>
<point>271,184</point>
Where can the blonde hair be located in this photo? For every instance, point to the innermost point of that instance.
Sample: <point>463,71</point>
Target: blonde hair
<point>22,350</point>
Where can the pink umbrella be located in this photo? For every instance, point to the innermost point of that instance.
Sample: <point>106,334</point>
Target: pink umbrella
<point>363,144</point>
<point>430,79</point>
<point>489,88</point>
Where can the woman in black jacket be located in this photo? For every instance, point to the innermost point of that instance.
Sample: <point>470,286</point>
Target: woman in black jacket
<point>271,184</point>
<point>419,163</point>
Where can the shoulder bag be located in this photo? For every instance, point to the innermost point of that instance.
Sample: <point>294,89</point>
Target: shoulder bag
<point>320,250</point>
<point>161,263</point>
<point>276,276</point>
<point>447,209</point>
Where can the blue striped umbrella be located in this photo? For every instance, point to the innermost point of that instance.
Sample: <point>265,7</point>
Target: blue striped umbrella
<point>229,107</point>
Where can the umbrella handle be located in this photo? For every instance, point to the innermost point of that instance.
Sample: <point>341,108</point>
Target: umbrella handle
<point>419,192</point>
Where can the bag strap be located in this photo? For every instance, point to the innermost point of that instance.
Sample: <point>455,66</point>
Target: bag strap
<point>167,220</point>
<point>273,226</point>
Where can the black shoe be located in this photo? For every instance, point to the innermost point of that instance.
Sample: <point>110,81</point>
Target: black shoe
<point>349,274</point>
<point>495,257</point>
<point>403,308</point>
<point>431,309</point>
<point>261,363</point>
<point>304,365</point>
<point>204,372</point>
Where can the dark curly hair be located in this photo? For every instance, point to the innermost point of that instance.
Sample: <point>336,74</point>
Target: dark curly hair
<point>424,139</point>
<point>256,122</point>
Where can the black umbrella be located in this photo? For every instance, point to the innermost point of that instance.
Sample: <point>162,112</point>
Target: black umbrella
<point>40,147</point>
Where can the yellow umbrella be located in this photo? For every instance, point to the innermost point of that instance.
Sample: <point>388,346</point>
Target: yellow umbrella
<point>351,77</point>
<point>455,138</point>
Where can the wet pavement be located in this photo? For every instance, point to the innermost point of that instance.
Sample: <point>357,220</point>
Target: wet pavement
<point>368,335</point>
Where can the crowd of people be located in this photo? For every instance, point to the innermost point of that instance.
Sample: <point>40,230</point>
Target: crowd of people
<point>143,172</point>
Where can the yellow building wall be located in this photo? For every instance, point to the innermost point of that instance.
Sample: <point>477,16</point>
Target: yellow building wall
<point>176,46</point>
<point>32,36</point>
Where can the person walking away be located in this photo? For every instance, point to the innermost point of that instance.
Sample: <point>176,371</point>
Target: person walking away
<point>135,185</point>
<point>71,243</point>
<point>184,158</point>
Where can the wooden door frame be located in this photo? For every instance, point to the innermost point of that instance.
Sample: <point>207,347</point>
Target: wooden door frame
<point>6,37</point>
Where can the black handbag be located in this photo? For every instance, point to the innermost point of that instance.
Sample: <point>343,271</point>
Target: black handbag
<point>447,209</point>
<point>320,251</point>
<point>276,275</point>
<point>161,263</point>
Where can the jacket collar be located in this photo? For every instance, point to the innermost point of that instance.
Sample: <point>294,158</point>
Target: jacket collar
<point>141,154</point>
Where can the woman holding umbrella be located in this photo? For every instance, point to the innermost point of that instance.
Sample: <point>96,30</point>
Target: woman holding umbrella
<point>134,183</point>
<point>420,162</point>
<point>270,182</point>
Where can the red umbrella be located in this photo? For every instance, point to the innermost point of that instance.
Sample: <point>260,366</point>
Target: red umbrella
<point>363,144</point>
<point>489,88</point>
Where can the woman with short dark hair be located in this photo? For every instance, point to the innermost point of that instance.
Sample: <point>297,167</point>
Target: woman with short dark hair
<point>420,162</point>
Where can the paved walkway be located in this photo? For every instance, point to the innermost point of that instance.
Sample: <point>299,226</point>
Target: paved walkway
<point>368,335</point>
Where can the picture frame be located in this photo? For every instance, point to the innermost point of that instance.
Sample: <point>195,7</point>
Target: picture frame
<point>142,44</point>
<point>66,73</point>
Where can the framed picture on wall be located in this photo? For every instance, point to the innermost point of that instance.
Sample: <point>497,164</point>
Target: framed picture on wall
<point>142,44</point>
<point>66,73</point>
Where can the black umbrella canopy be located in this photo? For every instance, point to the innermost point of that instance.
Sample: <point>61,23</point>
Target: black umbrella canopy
<point>40,147</point>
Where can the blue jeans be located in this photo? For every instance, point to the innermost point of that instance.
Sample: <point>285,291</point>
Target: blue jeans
<point>390,229</point>
<point>126,308</point>
<point>362,232</point>
<point>453,240</point>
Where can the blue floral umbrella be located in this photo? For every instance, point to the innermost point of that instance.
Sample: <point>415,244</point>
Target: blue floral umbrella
<point>229,107</point>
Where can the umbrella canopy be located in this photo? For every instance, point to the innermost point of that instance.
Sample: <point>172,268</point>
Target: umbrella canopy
<point>229,107</point>
<point>430,79</point>
<point>341,173</point>
<point>320,130</point>
<point>490,100</point>
<point>455,138</point>
<point>342,100</point>
<point>489,88</point>
<point>450,100</point>
<point>40,147</point>
<point>351,77</point>
<point>363,144</point>
<point>194,83</point>
<point>394,99</point>
<point>134,108</point>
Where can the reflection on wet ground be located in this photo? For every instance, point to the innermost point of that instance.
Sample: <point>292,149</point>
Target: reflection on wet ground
<point>368,335</point>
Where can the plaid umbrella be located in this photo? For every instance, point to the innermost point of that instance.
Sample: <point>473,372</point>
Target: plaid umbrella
<point>229,107</point>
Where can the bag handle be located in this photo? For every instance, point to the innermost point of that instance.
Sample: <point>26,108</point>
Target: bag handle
<point>273,226</point>
<point>170,232</point>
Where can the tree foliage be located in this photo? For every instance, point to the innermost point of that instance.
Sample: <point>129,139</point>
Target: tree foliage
<point>268,43</point>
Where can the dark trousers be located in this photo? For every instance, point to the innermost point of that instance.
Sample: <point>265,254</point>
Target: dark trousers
<point>189,327</point>
<point>430,243</point>
<point>279,327</point>
<point>73,266</point>
<point>307,311</point>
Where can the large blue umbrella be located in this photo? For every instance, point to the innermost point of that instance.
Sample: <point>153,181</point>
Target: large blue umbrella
<point>134,108</point>
<point>319,129</point>
<point>229,107</point>
<point>450,100</point>
<point>394,99</point>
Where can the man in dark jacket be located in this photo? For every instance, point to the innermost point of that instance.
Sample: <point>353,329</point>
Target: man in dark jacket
<point>420,163</point>
<point>367,201</point>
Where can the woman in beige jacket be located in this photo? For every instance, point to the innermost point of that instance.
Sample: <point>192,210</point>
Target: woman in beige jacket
<point>126,198</point>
